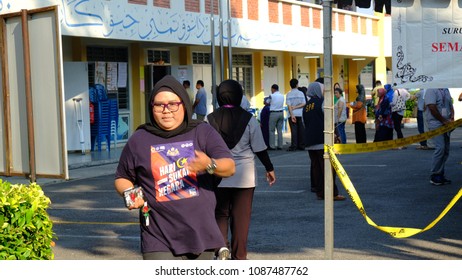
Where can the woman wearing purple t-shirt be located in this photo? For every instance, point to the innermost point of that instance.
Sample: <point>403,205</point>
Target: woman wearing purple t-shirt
<point>178,162</point>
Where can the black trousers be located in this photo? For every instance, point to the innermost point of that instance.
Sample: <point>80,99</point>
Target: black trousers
<point>297,133</point>
<point>383,133</point>
<point>233,210</point>
<point>397,118</point>
<point>379,4</point>
<point>360,132</point>
<point>317,172</point>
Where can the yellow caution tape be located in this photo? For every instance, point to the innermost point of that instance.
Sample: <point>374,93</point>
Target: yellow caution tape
<point>396,232</point>
<point>386,145</point>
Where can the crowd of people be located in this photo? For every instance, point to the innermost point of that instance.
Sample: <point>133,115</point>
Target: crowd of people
<point>198,174</point>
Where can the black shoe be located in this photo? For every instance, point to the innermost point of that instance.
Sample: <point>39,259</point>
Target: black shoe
<point>301,148</point>
<point>437,180</point>
<point>291,149</point>
<point>446,181</point>
<point>279,149</point>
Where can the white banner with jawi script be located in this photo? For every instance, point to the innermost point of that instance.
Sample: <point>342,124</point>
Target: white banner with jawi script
<point>427,43</point>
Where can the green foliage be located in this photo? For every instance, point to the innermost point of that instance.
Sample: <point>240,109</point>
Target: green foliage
<point>411,103</point>
<point>25,227</point>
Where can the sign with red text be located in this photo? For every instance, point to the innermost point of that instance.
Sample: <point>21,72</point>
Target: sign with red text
<point>427,43</point>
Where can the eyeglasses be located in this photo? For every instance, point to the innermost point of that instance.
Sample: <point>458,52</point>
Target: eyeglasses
<point>171,106</point>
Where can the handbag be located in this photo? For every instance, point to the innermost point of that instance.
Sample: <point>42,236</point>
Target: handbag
<point>400,103</point>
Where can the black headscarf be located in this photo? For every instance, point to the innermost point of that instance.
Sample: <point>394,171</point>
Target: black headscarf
<point>230,120</point>
<point>169,83</point>
<point>361,93</point>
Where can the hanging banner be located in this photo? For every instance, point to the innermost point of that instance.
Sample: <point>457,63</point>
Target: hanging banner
<point>427,43</point>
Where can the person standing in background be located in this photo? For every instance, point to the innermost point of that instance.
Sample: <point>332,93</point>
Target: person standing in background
<point>295,101</point>
<point>398,107</point>
<point>187,86</point>
<point>200,103</point>
<point>264,120</point>
<point>420,97</point>
<point>336,85</point>
<point>313,117</point>
<point>340,115</point>
<point>439,111</point>
<point>359,117</point>
<point>276,118</point>
<point>383,120</point>
<point>374,95</point>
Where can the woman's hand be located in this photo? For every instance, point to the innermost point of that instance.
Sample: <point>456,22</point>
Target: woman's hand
<point>199,163</point>
<point>270,177</point>
<point>225,167</point>
<point>139,202</point>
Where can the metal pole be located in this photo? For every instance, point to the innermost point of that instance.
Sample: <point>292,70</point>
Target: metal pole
<point>230,53</point>
<point>222,60</point>
<point>28,86</point>
<point>78,113</point>
<point>328,130</point>
<point>212,40</point>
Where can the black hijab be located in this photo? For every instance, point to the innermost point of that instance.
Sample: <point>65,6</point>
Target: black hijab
<point>169,83</point>
<point>230,120</point>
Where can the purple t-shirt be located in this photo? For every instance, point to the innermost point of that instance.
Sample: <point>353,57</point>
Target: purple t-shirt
<point>182,215</point>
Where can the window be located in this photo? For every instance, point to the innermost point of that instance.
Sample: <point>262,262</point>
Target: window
<point>159,57</point>
<point>242,72</point>
<point>108,54</point>
<point>270,61</point>
<point>201,58</point>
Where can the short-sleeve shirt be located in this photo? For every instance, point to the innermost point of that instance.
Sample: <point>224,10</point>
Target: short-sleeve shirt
<point>296,97</point>
<point>243,153</point>
<point>420,95</point>
<point>182,216</point>
<point>276,101</point>
<point>190,94</point>
<point>201,107</point>
<point>343,115</point>
<point>442,99</point>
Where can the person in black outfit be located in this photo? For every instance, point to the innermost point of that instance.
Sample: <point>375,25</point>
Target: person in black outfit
<point>313,116</point>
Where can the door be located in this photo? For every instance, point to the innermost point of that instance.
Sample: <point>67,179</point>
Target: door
<point>153,73</point>
<point>204,73</point>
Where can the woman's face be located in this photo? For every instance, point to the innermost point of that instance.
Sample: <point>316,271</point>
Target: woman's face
<point>167,119</point>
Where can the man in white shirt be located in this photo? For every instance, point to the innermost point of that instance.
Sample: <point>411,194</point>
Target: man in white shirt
<point>295,101</point>
<point>276,119</point>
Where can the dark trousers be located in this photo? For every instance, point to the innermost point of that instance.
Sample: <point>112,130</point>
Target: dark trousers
<point>379,4</point>
<point>420,126</point>
<point>206,256</point>
<point>397,118</point>
<point>383,133</point>
<point>317,172</point>
<point>360,132</point>
<point>233,210</point>
<point>297,133</point>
